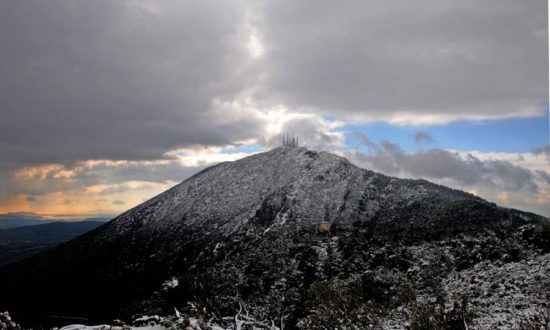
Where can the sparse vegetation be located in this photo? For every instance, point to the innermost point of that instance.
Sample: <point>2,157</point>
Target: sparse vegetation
<point>441,313</point>
<point>537,321</point>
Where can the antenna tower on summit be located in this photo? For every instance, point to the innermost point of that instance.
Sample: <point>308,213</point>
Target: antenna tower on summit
<point>290,141</point>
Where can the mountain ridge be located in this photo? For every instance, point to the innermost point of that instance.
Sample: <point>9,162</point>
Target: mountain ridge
<point>21,219</point>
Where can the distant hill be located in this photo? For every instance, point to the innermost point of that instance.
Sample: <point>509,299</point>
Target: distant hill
<point>22,242</point>
<point>20,219</point>
<point>13,220</point>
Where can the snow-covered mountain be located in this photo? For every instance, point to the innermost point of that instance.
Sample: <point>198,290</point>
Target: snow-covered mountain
<point>298,236</point>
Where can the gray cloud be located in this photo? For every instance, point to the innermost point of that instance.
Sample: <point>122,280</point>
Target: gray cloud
<point>423,137</point>
<point>516,185</point>
<point>82,176</point>
<point>124,187</point>
<point>374,59</point>
<point>118,202</point>
<point>117,80</point>
<point>544,150</point>
<point>313,132</point>
<point>364,139</point>
<point>544,176</point>
<point>142,171</point>
<point>441,164</point>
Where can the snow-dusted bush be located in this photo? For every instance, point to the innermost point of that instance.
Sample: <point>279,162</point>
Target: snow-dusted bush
<point>6,323</point>
<point>537,321</point>
<point>438,313</point>
<point>337,306</point>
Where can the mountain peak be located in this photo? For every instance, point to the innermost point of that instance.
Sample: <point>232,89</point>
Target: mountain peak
<point>228,195</point>
<point>297,187</point>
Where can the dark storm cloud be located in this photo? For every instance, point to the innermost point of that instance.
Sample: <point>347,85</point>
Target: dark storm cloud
<point>403,59</point>
<point>116,79</point>
<point>443,164</point>
<point>134,79</point>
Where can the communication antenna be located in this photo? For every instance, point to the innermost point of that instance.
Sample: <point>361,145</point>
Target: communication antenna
<point>290,141</point>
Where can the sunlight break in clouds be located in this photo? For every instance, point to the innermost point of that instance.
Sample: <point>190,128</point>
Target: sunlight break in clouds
<point>254,45</point>
<point>206,157</point>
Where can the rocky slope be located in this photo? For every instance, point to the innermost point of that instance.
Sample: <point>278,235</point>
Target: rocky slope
<point>294,235</point>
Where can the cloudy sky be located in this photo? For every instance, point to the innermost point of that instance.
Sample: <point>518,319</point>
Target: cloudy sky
<point>107,103</point>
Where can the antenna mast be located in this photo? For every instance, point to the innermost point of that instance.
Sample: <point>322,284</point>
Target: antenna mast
<point>290,141</point>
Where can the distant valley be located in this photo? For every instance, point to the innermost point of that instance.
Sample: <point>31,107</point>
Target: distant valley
<point>24,237</point>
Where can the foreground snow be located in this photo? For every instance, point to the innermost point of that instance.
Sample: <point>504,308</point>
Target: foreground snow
<point>110,327</point>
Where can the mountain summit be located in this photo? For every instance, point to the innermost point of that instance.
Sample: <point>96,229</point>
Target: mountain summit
<point>274,230</point>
